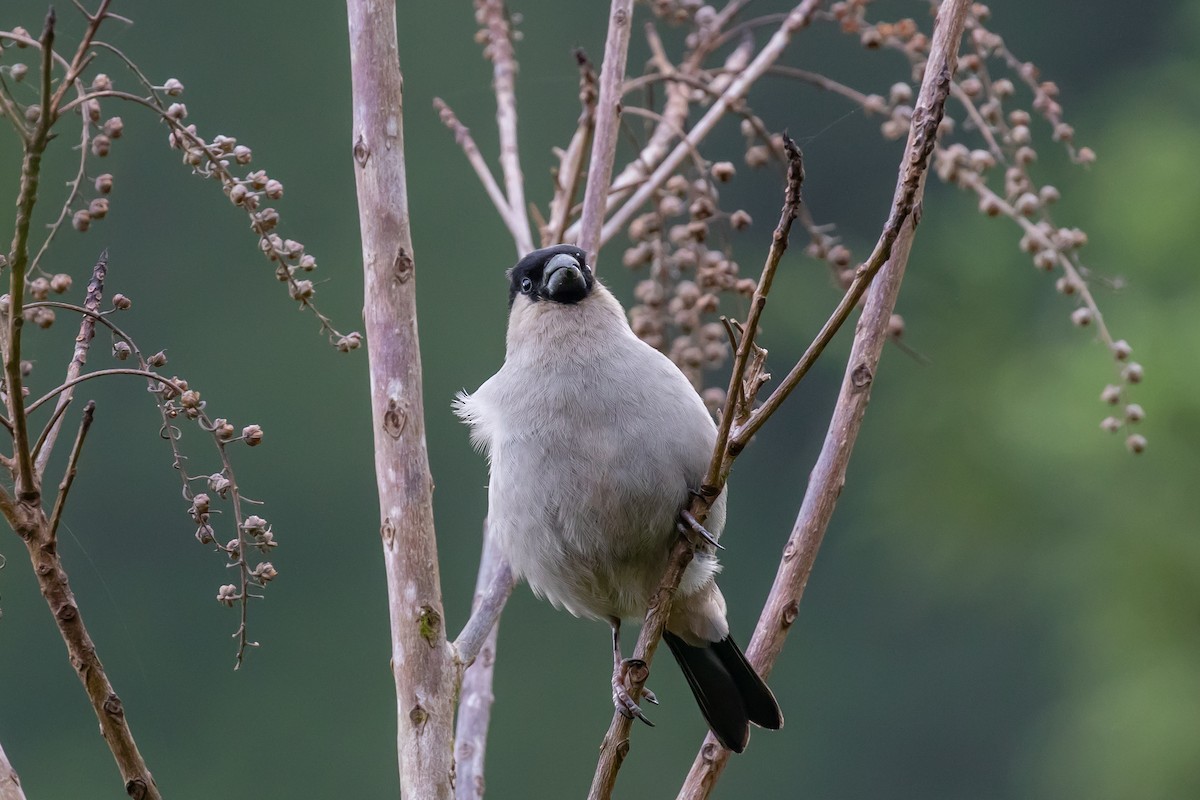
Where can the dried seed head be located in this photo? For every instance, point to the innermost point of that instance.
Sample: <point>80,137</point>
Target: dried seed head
<point>190,399</point>
<point>237,194</point>
<point>114,127</point>
<point>252,435</point>
<point>740,220</point>
<point>104,183</point>
<point>1046,260</point>
<point>1111,394</point>
<point>1082,316</point>
<point>19,71</point>
<point>81,220</point>
<point>177,111</point>
<point>227,595</point>
<point>1110,424</point>
<point>900,93</point>
<point>242,154</point>
<point>98,208</point>
<point>264,572</point>
<point>121,350</point>
<point>1049,194</point>
<point>757,156</point>
<point>101,144</point>
<point>1066,286</point>
<point>1027,204</point>
<point>723,171</point>
<point>1086,155</point>
<point>39,288</point>
<point>223,430</point>
<point>60,283</point>
<point>1134,413</point>
<point>301,290</point>
<point>351,341</point>
<point>121,302</point>
<point>1136,443</point>
<point>274,189</point>
<point>1132,372</point>
<point>101,83</point>
<point>173,87</point>
<point>158,359</point>
<point>895,326</point>
<point>1121,350</point>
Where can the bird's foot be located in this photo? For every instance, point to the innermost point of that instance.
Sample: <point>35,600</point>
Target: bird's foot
<point>690,526</point>
<point>629,673</point>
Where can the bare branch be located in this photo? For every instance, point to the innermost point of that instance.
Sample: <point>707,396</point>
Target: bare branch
<point>475,650</point>
<point>608,114</point>
<point>60,501</point>
<point>10,782</point>
<point>828,476</point>
<point>570,165</point>
<point>798,18</point>
<point>31,166</point>
<point>504,73</point>
<point>462,135</point>
<point>423,670</point>
<point>83,341</point>
<point>615,746</point>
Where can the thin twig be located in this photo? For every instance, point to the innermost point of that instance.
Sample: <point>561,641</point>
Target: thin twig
<point>475,649</point>
<point>100,373</point>
<point>10,782</point>
<point>608,115</point>
<point>83,341</point>
<point>798,18</point>
<point>828,476</point>
<point>615,746</point>
<point>462,135</point>
<point>60,500</point>
<point>571,163</point>
<point>504,73</point>
<point>31,166</point>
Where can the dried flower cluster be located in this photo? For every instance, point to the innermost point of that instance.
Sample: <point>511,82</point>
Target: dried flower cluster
<point>677,303</point>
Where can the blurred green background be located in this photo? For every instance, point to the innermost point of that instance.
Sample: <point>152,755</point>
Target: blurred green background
<point>1006,604</point>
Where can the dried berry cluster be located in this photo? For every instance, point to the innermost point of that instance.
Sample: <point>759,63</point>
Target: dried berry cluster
<point>176,400</point>
<point>677,303</point>
<point>250,192</point>
<point>1005,107</point>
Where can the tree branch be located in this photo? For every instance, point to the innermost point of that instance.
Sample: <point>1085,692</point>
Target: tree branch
<point>10,782</point>
<point>422,667</point>
<point>504,73</point>
<point>797,19</point>
<point>608,116</point>
<point>475,649</point>
<point>60,500</point>
<point>83,341</point>
<point>828,476</point>
<point>615,746</point>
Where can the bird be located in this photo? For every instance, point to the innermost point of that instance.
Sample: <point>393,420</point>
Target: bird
<point>596,443</point>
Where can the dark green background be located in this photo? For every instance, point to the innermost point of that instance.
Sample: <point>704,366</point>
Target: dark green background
<point>1006,603</point>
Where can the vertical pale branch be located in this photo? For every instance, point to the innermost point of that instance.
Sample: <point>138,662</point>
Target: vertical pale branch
<point>608,120</point>
<point>797,18</point>
<point>83,341</point>
<point>423,670</point>
<point>492,587</point>
<point>504,77</point>
<point>10,782</point>
<point>615,746</point>
<point>829,474</point>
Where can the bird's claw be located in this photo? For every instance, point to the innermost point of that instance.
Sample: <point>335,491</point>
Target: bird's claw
<point>623,701</point>
<point>690,524</point>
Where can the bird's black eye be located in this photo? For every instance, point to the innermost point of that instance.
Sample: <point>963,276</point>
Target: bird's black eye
<point>526,285</point>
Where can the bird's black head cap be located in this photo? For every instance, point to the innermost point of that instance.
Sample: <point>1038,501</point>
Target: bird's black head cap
<point>559,274</point>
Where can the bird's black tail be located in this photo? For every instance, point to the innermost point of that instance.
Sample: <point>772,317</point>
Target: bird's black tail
<point>730,693</point>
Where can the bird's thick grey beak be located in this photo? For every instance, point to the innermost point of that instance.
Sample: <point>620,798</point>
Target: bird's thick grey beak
<point>563,280</point>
